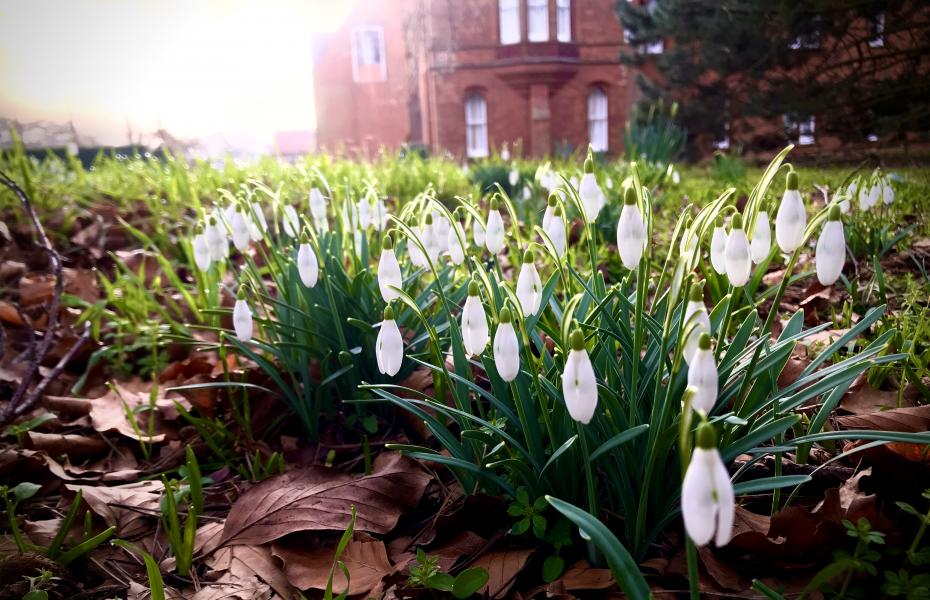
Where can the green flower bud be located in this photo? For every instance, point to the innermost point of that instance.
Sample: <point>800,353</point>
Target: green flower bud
<point>589,162</point>
<point>345,359</point>
<point>553,199</point>
<point>529,256</point>
<point>736,222</point>
<point>704,341</point>
<point>473,288</point>
<point>429,218</point>
<point>834,214</point>
<point>387,243</point>
<point>494,204</point>
<point>697,292</point>
<point>719,221</point>
<point>706,437</point>
<point>388,313</point>
<point>242,294</point>
<point>505,316</point>
<point>629,196</point>
<point>791,181</point>
<point>576,340</point>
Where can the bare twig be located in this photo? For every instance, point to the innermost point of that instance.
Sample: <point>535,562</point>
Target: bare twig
<point>22,400</point>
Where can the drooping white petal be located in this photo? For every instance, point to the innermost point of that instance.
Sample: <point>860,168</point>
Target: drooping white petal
<point>844,205</point>
<point>379,217</point>
<point>307,265</point>
<point>702,376</point>
<point>718,246</point>
<point>726,501</point>
<point>389,274</point>
<point>506,352</point>
<point>428,239</point>
<point>887,193</point>
<point>699,507</point>
<point>864,200</point>
<point>239,227</point>
<point>454,243</point>
<point>547,217</point>
<point>761,238</point>
<point>242,320</point>
<point>201,251</point>
<point>441,228</point>
<point>831,252</point>
<point>579,386</point>
<point>696,316</point>
<point>475,334</point>
<point>790,221</point>
<point>478,233</point>
<point>688,242</point>
<point>592,197</point>
<point>363,210</point>
<point>494,238</point>
<point>874,195</point>
<point>216,241</point>
<point>389,348</point>
<point>529,289</point>
<point>736,255</point>
<point>556,233</point>
<point>290,222</point>
<point>317,205</point>
<point>631,235</point>
<point>417,258</point>
<point>514,177</point>
<point>257,223</point>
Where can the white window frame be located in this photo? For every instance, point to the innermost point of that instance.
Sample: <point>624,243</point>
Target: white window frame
<point>354,41</point>
<point>476,125</point>
<point>508,14</point>
<point>563,20</point>
<point>537,20</point>
<point>598,120</point>
<point>878,30</point>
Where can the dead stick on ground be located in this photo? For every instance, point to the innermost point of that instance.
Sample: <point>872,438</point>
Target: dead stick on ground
<point>22,399</point>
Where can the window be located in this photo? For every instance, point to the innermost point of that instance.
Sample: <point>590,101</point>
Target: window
<point>509,21</point>
<point>476,126</point>
<point>809,37</point>
<point>563,20</point>
<point>877,27</point>
<point>537,20</point>
<point>800,129</point>
<point>368,63</point>
<point>597,120</point>
<point>723,141</point>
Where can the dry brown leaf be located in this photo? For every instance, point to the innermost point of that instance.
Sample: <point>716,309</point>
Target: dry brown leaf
<point>581,576</point>
<point>866,399</point>
<point>111,502</point>
<point>308,567</point>
<point>9,314</point>
<point>913,419</point>
<point>73,446</point>
<point>242,564</point>
<point>228,587</point>
<point>318,498</point>
<point>502,566</point>
<point>109,412</point>
<point>466,543</point>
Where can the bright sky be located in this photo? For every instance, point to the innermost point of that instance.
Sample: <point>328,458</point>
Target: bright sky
<point>198,68</point>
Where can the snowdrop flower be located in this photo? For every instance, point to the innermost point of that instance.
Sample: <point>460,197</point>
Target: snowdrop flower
<point>707,500</point>
<point>505,153</point>
<point>363,210</point>
<point>527,194</point>
<point>242,317</point>
<point>550,210</point>
<point>318,209</point>
<point>389,276</point>
<point>454,242</point>
<point>875,194</point>
<point>736,254</point>
<point>389,346</point>
<point>865,202</point>
<point>609,183</point>
<point>429,239</point>
<point>702,376</point>
<point>201,250</point>
<point>579,386</point>
<point>441,229</point>
<point>290,222</point>
<point>718,245</point>
<point>477,232</point>
<point>831,249</point>
<point>307,265</point>
<point>239,227</point>
<point>592,198</point>
<point>688,243</point>
<point>216,241</point>
<point>257,223</point>
<point>379,217</point>
<point>506,348</point>
<point>887,192</point>
<point>474,323</point>
<point>556,232</point>
<point>676,177</point>
<point>631,231</point>
<point>696,320</point>
<point>791,218</point>
<point>529,285</point>
<point>494,238</point>
<point>513,177</point>
<point>761,238</point>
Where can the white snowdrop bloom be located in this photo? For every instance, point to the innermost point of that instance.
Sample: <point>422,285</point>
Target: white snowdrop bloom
<point>631,231</point>
<point>718,246</point>
<point>592,197</point>
<point>477,232</point>
<point>308,267</point>
<point>791,218</point>
<point>556,232</point>
<point>697,321</point>
<point>349,216</point>
<point>736,254</point>
<point>494,236</point>
<point>441,228</point>
<point>550,210</point>
<point>702,376</point>
<point>318,209</point>
<point>875,194</point>
<point>529,286</point>
<point>609,183</point>
<point>830,255</point>
<point>579,385</point>
<point>454,243</point>
<point>864,200</point>
<point>389,346</point>
<point>429,239</point>
<point>216,240</point>
<point>887,192</point>
<point>417,258</point>
<point>676,177</point>
<point>527,194</point>
<point>242,318</point>
<point>688,242</point>
<point>379,216</point>
<point>513,177</point>
<point>239,227</point>
<point>389,275</point>
<point>574,182</point>
<point>761,238</point>
<point>475,334</point>
<point>505,153</point>
<point>363,210</point>
<point>258,226</point>
<point>708,503</point>
<point>506,348</point>
<point>290,221</point>
<point>228,211</point>
<point>201,250</point>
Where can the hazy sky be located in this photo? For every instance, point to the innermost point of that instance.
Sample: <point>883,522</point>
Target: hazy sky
<point>197,68</point>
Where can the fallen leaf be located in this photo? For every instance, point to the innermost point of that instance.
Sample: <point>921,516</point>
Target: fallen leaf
<point>109,412</point>
<point>121,505</point>
<point>73,446</point>
<point>308,567</point>
<point>466,543</point>
<point>502,566</point>
<point>582,576</point>
<point>242,564</point>
<point>318,498</point>
<point>913,419</point>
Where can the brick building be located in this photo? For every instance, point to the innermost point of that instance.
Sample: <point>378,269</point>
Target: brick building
<point>469,76</point>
